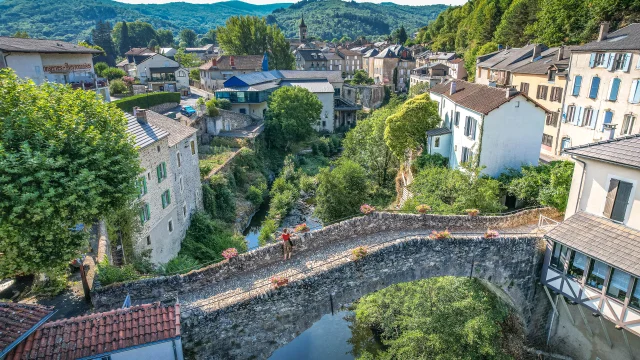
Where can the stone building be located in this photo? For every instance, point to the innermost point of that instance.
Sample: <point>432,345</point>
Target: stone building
<point>495,68</point>
<point>370,97</point>
<point>432,74</point>
<point>310,59</point>
<point>393,63</point>
<point>219,69</point>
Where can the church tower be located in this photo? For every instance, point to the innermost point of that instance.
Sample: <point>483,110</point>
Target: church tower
<point>303,31</point>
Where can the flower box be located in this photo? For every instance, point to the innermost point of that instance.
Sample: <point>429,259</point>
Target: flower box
<point>491,234</point>
<point>423,209</point>
<point>472,212</point>
<point>367,209</point>
<point>302,228</point>
<point>278,281</point>
<point>441,235</point>
<point>359,252</point>
<point>230,253</point>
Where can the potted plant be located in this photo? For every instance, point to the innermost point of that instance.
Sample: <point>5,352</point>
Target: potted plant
<point>367,209</point>
<point>278,281</point>
<point>441,235</point>
<point>423,209</point>
<point>302,228</point>
<point>472,212</point>
<point>491,234</point>
<point>230,253</point>
<point>359,252</point>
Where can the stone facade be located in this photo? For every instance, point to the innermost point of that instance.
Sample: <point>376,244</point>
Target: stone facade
<point>369,96</point>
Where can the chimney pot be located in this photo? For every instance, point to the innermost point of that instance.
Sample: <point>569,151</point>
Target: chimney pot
<point>452,88</point>
<point>604,31</point>
<point>141,116</point>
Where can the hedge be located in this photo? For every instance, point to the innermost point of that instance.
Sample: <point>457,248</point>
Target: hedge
<point>147,100</point>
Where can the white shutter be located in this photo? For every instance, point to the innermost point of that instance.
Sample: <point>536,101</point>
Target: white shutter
<point>577,118</point>
<point>634,88</point>
<point>610,60</point>
<point>594,119</point>
<point>627,62</point>
<point>592,60</point>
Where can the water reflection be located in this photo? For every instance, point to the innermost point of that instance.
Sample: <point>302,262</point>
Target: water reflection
<point>328,338</point>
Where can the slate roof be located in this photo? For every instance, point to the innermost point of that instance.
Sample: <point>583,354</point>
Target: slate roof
<point>438,131</point>
<point>331,76</point>
<point>622,151</point>
<point>100,333</point>
<point>42,46</point>
<point>308,55</point>
<point>627,38</point>
<point>506,59</point>
<point>456,61</point>
<point>601,238</point>
<point>332,56</point>
<point>256,87</point>
<point>241,62</point>
<point>442,56</point>
<point>349,52</point>
<point>371,53</point>
<point>177,131</point>
<point>122,63</point>
<point>547,58</point>
<point>144,134</point>
<point>140,51</point>
<point>313,86</point>
<point>18,320</point>
<point>392,51</point>
<point>477,97</point>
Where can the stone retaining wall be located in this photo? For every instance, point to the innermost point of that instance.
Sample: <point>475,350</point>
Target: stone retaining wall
<point>162,108</point>
<point>169,288</point>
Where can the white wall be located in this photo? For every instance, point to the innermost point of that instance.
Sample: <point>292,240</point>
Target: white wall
<point>158,61</point>
<point>326,116</point>
<point>27,65</point>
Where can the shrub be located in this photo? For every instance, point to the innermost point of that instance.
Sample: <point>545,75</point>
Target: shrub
<point>367,209</point>
<point>279,281</point>
<point>117,87</point>
<point>307,184</point>
<point>230,253</point>
<point>254,195</point>
<point>147,100</point>
<point>359,252</point>
<point>218,199</point>
<point>430,160</point>
<point>323,147</point>
<point>113,73</point>
<point>100,67</point>
<point>269,227</point>
<point>440,235</point>
<point>224,104</point>
<point>281,203</point>
<point>423,209</point>
<point>206,239</point>
<point>109,274</point>
<point>179,265</point>
<point>212,109</point>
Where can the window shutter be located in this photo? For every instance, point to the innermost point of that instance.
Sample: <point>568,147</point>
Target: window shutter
<point>615,87</point>
<point>144,184</point>
<point>164,170</point>
<point>634,94</point>
<point>164,203</point>
<point>168,197</point>
<point>611,197</point>
<point>576,85</point>
<point>148,210</point>
<point>627,62</point>
<point>594,119</point>
<point>608,115</point>
<point>595,85</point>
<point>592,61</point>
<point>621,201</point>
<point>610,60</point>
<point>158,172</point>
<point>475,127</point>
<point>577,118</point>
<point>141,213</point>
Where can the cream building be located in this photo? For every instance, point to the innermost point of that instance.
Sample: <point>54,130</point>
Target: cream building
<point>603,92</point>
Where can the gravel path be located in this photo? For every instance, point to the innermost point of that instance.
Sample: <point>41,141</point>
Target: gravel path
<point>255,283</point>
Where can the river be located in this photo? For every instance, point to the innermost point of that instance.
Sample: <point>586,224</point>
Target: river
<point>252,231</point>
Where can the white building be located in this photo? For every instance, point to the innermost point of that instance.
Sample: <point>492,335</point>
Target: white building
<point>52,61</point>
<point>602,100</point>
<point>593,257</point>
<point>157,71</point>
<point>497,128</point>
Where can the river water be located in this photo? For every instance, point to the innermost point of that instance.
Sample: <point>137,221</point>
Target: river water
<point>325,339</point>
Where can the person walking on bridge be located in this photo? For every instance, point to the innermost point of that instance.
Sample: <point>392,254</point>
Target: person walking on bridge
<point>286,242</point>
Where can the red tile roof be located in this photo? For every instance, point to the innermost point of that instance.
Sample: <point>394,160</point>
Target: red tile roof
<point>17,319</point>
<point>140,51</point>
<point>100,333</point>
<point>241,62</point>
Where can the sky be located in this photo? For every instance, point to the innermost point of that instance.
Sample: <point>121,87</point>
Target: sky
<point>401,2</point>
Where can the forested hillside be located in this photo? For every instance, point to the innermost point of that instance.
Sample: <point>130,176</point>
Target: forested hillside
<point>328,19</point>
<point>478,26</point>
<point>72,20</point>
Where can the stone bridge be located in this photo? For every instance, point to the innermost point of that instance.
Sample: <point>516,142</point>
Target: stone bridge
<point>230,311</point>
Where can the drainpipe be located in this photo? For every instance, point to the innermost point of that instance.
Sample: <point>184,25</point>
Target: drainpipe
<point>584,171</point>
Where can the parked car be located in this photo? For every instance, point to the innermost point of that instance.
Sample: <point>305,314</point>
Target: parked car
<point>187,111</point>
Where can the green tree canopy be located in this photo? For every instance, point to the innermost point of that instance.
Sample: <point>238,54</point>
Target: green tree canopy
<point>121,38</point>
<point>360,77</point>
<point>165,38</point>
<point>546,184</point>
<point>341,191</point>
<point>209,38</point>
<point>139,34</point>
<point>511,32</point>
<point>407,128</point>
<point>90,46</point>
<point>292,113</point>
<point>65,159</point>
<point>187,60</point>
<point>101,36</point>
<point>21,34</point>
<point>189,37</point>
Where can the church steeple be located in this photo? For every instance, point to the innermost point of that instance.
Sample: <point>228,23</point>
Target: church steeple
<point>303,30</point>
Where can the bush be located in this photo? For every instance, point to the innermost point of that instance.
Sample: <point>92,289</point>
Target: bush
<point>254,195</point>
<point>212,109</point>
<point>100,67</point>
<point>207,238</point>
<point>117,87</point>
<point>281,203</point>
<point>269,227</point>
<point>147,100</point>
<point>218,199</point>
<point>113,73</point>
<point>307,184</point>
<point>181,264</point>
<point>109,274</point>
<point>430,160</point>
<point>224,104</point>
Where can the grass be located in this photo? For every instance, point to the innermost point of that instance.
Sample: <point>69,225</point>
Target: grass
<point>208,162</point>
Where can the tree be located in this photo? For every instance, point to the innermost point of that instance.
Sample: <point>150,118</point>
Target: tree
<point>418,89</point>
<point>400,36</point>
<point>407,128</point>
<point>100,67</point>
<point>189,37</point>
<point>101,36</point>
<point>250,35</point>
<point>187,60</point>
<point>123,41</point>
<point>292,113</point>
<point>360,77</point>
<point>511,30</point>
<point>113,73</point>
<point>209,38</point>
<point>560,21</point>
<point>165,38</point>
<point>194,74</point>
<point>139,34</point>
<point>53,156</point>
<point>94,47</point>
<point>546,184</point>
<point>153,44</point>
<point>21,34</point>
<point>341,191</point>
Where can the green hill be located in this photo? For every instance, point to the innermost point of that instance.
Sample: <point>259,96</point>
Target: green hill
<point>327,19</point>
<point>71,20</point>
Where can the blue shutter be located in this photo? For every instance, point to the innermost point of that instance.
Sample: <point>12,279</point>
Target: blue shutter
<point>615,87</point>
<point>627,62</point>
<point>608,116</point>
<point>595,86</point>
<point>576,85</point>
<point>594,119</point>
<point>592,61</point>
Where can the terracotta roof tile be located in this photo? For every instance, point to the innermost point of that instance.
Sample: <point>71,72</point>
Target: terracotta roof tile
<point>476,97</point>
<point>17,320</point>
<point>240,62</point>
<point>100,333</point>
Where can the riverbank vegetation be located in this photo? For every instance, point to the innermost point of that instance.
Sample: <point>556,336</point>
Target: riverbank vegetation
<point>455,318</point>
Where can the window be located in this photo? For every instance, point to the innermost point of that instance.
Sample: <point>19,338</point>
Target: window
<point>161,170</point>
<point>547,140</point>
<point>559,257</point>
<point>193,147</point>
<point>542,92</point>
<point>142,186</point>
<point>552,119</point>
<point>635,295</point>
<point>620,62</point>
<point>170,225</point>
<point>181,185</point>
<point>149,175</point>
<point>577,83</point>
<point>166,199</point>
<point>627,124</point>
<point>179,159</point>
<point>184,210</point>
<point>148,239</point>
<point>470,127</point>
<point>615,207</point>
<point>571,112</point>
<point>615,88</point>
<point>577,264</point>
<point>595,86</point>
<point>467,155</point>
<point>158,148</point>
<point>436,142</point>
<point>457,119</point>
<point>552,75</point>
<point>608,116</point>
<point>145,213</point>
<point>243,111</point>
<point>597,274</point>
<point>600,59</point>
<point>618,284</point>
<point>524,88</point>
<point>586,117</point>
<point>634,94</point>
<point>556,94</point>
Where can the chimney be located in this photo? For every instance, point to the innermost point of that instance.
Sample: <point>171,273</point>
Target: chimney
<point>604,31</point>
<point>141,116</point>
<point>560,52</point>
<point>452,88</point>
<point>232,60</point>
<point>214,61</point>
<point>537,50</point>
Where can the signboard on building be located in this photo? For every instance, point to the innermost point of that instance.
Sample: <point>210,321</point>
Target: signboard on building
<point>66,67</point>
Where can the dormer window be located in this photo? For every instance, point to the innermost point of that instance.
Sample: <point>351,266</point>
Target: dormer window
<point>552,75</point>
